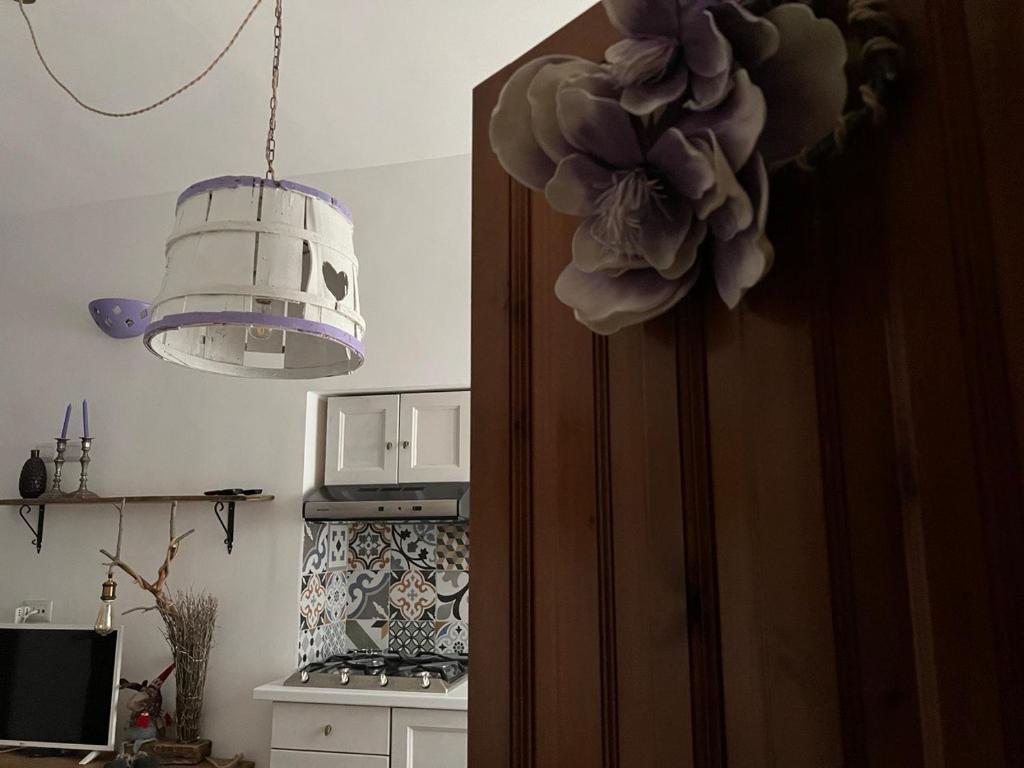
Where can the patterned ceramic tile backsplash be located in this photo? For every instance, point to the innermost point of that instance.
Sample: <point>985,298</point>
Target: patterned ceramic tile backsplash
<point>381,586</point>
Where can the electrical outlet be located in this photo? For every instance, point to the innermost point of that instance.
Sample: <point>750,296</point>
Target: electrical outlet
<point>37,611</point>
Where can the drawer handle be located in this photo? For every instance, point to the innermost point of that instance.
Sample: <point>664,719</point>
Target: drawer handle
<point>405,444</point>
<point>327,729</point>
<point>388,445</point>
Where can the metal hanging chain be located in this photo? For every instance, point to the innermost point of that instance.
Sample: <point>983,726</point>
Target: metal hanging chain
<point>154,105</point>
<point>275,72</point>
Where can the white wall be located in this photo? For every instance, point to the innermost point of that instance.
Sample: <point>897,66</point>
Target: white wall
<point>161,429</point>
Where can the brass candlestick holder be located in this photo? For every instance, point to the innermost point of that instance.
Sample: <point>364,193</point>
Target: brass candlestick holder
<point>55,491</point>
<point>83,491</point>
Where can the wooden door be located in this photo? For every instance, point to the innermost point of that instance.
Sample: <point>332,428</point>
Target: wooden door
<point>786,536</point>
<point>434,437</point>
<point>362,440</point>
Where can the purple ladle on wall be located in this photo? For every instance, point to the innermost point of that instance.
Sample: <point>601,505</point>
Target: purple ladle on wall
<point>120,318</point>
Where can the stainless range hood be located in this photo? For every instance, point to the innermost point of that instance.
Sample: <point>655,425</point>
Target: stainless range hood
<point>423,501</point>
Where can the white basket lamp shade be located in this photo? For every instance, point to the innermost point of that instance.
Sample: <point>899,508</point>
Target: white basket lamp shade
<point>261,281</point>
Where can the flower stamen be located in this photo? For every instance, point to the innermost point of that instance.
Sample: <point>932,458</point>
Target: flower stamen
<point>622,209</point>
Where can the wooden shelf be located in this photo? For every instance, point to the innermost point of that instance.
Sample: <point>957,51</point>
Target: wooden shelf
<point>132,500</point>
<point>219,504</point>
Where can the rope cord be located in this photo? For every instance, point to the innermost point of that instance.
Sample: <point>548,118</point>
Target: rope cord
<point>165,99</point>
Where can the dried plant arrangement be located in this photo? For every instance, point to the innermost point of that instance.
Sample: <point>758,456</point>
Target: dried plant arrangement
<point>189,620</point>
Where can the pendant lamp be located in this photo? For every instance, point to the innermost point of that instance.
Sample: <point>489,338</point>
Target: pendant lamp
<point>261,277</point>
<point>261,281</point>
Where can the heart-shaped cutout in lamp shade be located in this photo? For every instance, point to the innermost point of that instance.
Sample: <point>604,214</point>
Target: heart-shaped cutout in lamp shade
<point>120,318</point>
<point>261,282</point>
<point>336,282</point>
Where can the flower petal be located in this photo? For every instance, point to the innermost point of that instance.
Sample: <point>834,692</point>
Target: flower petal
<point>599,82</point>
<point>643,99</point>
<point>754,39</point>
<point>742,262</point>
<point>705,48</point>
<point>737,122</point>
<point>686,257</point>
<point>643,17</point>
<point>543,108</point>
<point>591,255</point>
<point>708,92</point>
<point>598,126</point>
<point>662,235</point>
<point>805,82</point>
<point>577,184</point>
<point>511,130</point>
<point>739,264</point>
<point>687,168</point>
<point>726,204</point>
<point>606,303</point>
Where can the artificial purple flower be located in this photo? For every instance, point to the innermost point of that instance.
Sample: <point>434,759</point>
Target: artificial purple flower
<point>658,205</point>
<point>646,214</point>
<point>685,51</point>
<point>524,128</point>
<point>678,48</point>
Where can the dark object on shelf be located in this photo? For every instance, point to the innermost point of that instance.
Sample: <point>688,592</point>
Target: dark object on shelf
<point>234,492</point>
<point>32,482</point>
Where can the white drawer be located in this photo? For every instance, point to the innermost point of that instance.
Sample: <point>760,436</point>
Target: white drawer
<point>285,758</point>
<point>332,728</point>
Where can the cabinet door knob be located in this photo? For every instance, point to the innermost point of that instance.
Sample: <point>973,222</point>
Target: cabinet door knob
<point>405,444</point>
<point>388,445</point>
<point>327,729</point>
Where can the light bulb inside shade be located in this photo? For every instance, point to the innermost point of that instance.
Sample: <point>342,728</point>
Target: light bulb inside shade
<point>105,618</point>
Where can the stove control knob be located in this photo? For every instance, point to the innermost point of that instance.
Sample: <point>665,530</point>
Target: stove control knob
<point>304,676</point>
<point>344,675</point>
<point>383,679</point>
<point>424,679</point>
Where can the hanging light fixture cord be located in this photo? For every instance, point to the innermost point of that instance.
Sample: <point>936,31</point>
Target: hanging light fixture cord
<point>275,71</point>
<point>182,89</point>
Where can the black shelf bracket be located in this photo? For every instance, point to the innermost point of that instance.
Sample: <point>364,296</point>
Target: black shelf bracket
<point>37,531</point>
<point>229,527</point>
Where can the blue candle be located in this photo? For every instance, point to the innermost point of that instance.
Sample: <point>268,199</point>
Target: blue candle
<point>67,419</point>
<point>85,418</point>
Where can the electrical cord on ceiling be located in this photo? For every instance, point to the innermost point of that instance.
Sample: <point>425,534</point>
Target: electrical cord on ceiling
<point>156,104</point>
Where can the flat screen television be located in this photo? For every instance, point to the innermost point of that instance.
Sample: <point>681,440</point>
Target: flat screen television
<point>58,686</point>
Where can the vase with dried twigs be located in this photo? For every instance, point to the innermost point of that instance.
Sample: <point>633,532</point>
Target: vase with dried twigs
<point>189,620</point>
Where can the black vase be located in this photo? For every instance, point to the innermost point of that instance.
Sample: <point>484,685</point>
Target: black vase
<point>32,482</point>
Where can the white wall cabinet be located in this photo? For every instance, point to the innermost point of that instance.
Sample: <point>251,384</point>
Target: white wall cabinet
<point>434,438</point>
<point>411,438</point>
<point>428,738</point>
<point>362,440</point>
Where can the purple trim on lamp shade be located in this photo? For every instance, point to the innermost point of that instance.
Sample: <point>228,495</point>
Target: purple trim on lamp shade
<point>300,324</point>
<point>233,182</point>
<point>129,321</point>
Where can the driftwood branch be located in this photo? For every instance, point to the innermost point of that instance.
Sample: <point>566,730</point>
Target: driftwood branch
<point>141,609</point>
<point>156,588</point>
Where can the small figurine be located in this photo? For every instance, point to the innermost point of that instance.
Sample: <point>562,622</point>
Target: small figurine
<point>147,719</point>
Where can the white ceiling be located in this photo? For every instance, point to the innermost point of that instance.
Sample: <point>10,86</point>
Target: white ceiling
<point>363,82</point>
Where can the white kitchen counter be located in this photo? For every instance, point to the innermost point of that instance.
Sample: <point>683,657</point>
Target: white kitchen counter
<point>456,699</point>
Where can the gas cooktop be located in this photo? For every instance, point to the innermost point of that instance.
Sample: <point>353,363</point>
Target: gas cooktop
<point>432,673</point>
